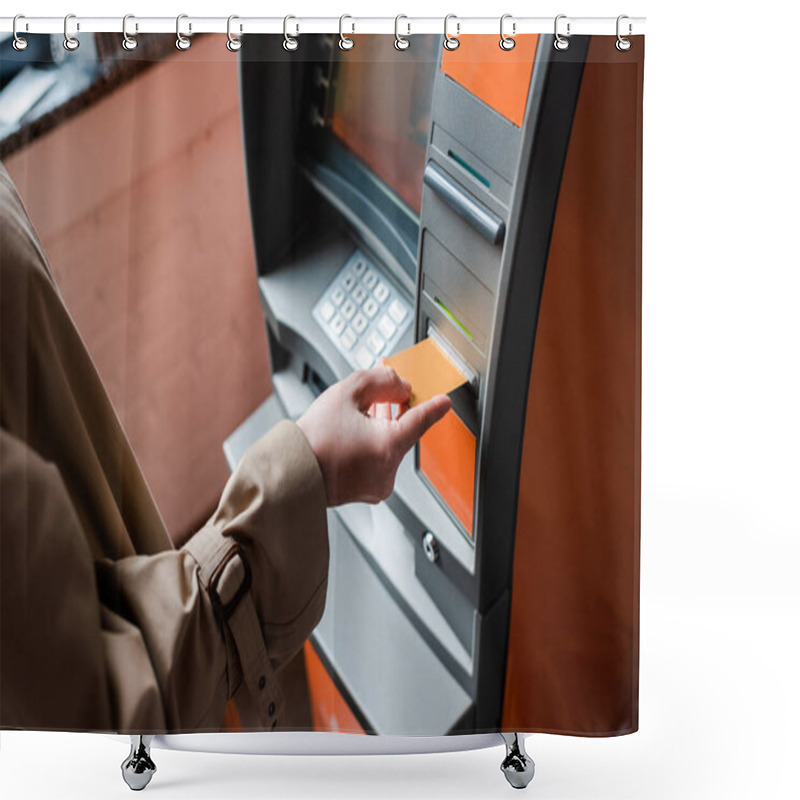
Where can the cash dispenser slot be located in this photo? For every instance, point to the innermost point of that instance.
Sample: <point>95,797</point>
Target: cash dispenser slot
<point>472,211</point>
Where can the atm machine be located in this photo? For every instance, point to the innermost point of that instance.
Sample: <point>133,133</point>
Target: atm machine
<point>432,609</point>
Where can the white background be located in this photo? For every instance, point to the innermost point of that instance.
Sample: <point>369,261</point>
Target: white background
<point>720,617</point>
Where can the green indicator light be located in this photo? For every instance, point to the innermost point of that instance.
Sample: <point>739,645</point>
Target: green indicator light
<point>449,314</point>
<point>469,168</point>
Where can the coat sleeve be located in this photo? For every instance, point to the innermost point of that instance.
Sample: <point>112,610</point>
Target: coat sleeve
<point>158,643</point>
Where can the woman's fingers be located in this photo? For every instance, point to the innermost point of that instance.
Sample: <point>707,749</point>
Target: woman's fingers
<point>414,422</point>
<point>379,385</point>
<point>383,411</point>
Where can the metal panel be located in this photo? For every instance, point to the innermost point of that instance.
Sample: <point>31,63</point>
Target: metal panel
<point>495,140</point>
<point>399,684</point>
<point>266,416</point>
<point>458,289</point>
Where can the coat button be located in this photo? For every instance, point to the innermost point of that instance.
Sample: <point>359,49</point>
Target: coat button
<point>271,709</point>
<point>262,682</point>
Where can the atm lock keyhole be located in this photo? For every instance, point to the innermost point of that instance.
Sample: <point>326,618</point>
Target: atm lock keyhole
<point>431,547</point>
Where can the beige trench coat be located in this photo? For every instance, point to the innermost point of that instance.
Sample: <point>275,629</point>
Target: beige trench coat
<point>104,625</point>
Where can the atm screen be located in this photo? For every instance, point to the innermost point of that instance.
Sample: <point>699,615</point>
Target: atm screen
<point>381,104</point>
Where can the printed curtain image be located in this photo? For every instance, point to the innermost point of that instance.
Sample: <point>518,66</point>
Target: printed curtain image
<point>235,291</point>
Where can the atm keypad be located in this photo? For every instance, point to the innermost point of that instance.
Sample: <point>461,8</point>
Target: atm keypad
<point>362,313</point>
<point>348,339</point>
<point>337,296</point>
<point>327,311</point>
<point>370,308</point>
<point>386,326</point>
<point>398,311</point>
<point>381,292</point>
<point>375,342</point>
<point>364,359</point>
<point>348,309</point>
<point>337,324</point>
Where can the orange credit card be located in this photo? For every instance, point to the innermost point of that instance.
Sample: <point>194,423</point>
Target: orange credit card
<point>428,369</point>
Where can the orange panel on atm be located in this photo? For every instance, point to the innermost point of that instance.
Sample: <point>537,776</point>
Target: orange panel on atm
<point>498,77</point>
<point>447,458</point>
<point>329,710</point>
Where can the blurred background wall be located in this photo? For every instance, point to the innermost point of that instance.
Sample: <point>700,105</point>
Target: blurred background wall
<point>141,204</point>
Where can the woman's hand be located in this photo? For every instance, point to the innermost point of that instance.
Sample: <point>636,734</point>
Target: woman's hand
<point>357,443</point>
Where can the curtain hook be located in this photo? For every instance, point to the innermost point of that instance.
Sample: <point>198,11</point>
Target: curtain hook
<point>182,43</point>
<point>234,43</point>
<point>70,42</point>
<point>561,42</point>
<point>507,42</point>
<point>128,42</point>
<point>400,42</point>
<point>345,42</point>
<point>451,42</point>
<point>19,43</point>
<point>623,44</point>
<point>289,42</point>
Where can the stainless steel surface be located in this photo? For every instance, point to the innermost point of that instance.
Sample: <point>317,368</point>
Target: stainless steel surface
<point>451,42</point>
<point>379,656</point>
<point>378,531</point>
<point>561,42</point>
<point>181,42</point>
<point>517,766</point>
<point>289,42</point>
<point>345,42</point>
<point>623,44</point>
<point>70,42</point>
<point>268,414</point>
<point>138,768</point>
<point>401,42</point>
<point>128,42</point>
<point>234,43</point>
<point>507,42</point>
<point>465,369</point>
<point>19,43</point>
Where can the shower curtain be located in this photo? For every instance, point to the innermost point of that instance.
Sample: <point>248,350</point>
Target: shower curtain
<point>199,246</point>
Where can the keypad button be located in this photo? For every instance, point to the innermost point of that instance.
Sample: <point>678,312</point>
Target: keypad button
<point>348,339</point>
<point>381,292</point>
<point>360,324</point>
<point>364,358</point>
<point>398,311</point>
<point>337,295</point>
<point>376,342</point>
<point>359,294</point>
<point>359,267</point>
<point>326,311</point>
<point>387,327</point>
<point>349,282</point>
<point>370,279</point>
<point>337,324</point>
<point>370,308</point>
<point>348,309</point>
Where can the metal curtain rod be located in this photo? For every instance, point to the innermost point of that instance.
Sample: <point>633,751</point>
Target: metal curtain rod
<point>634,26</point>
